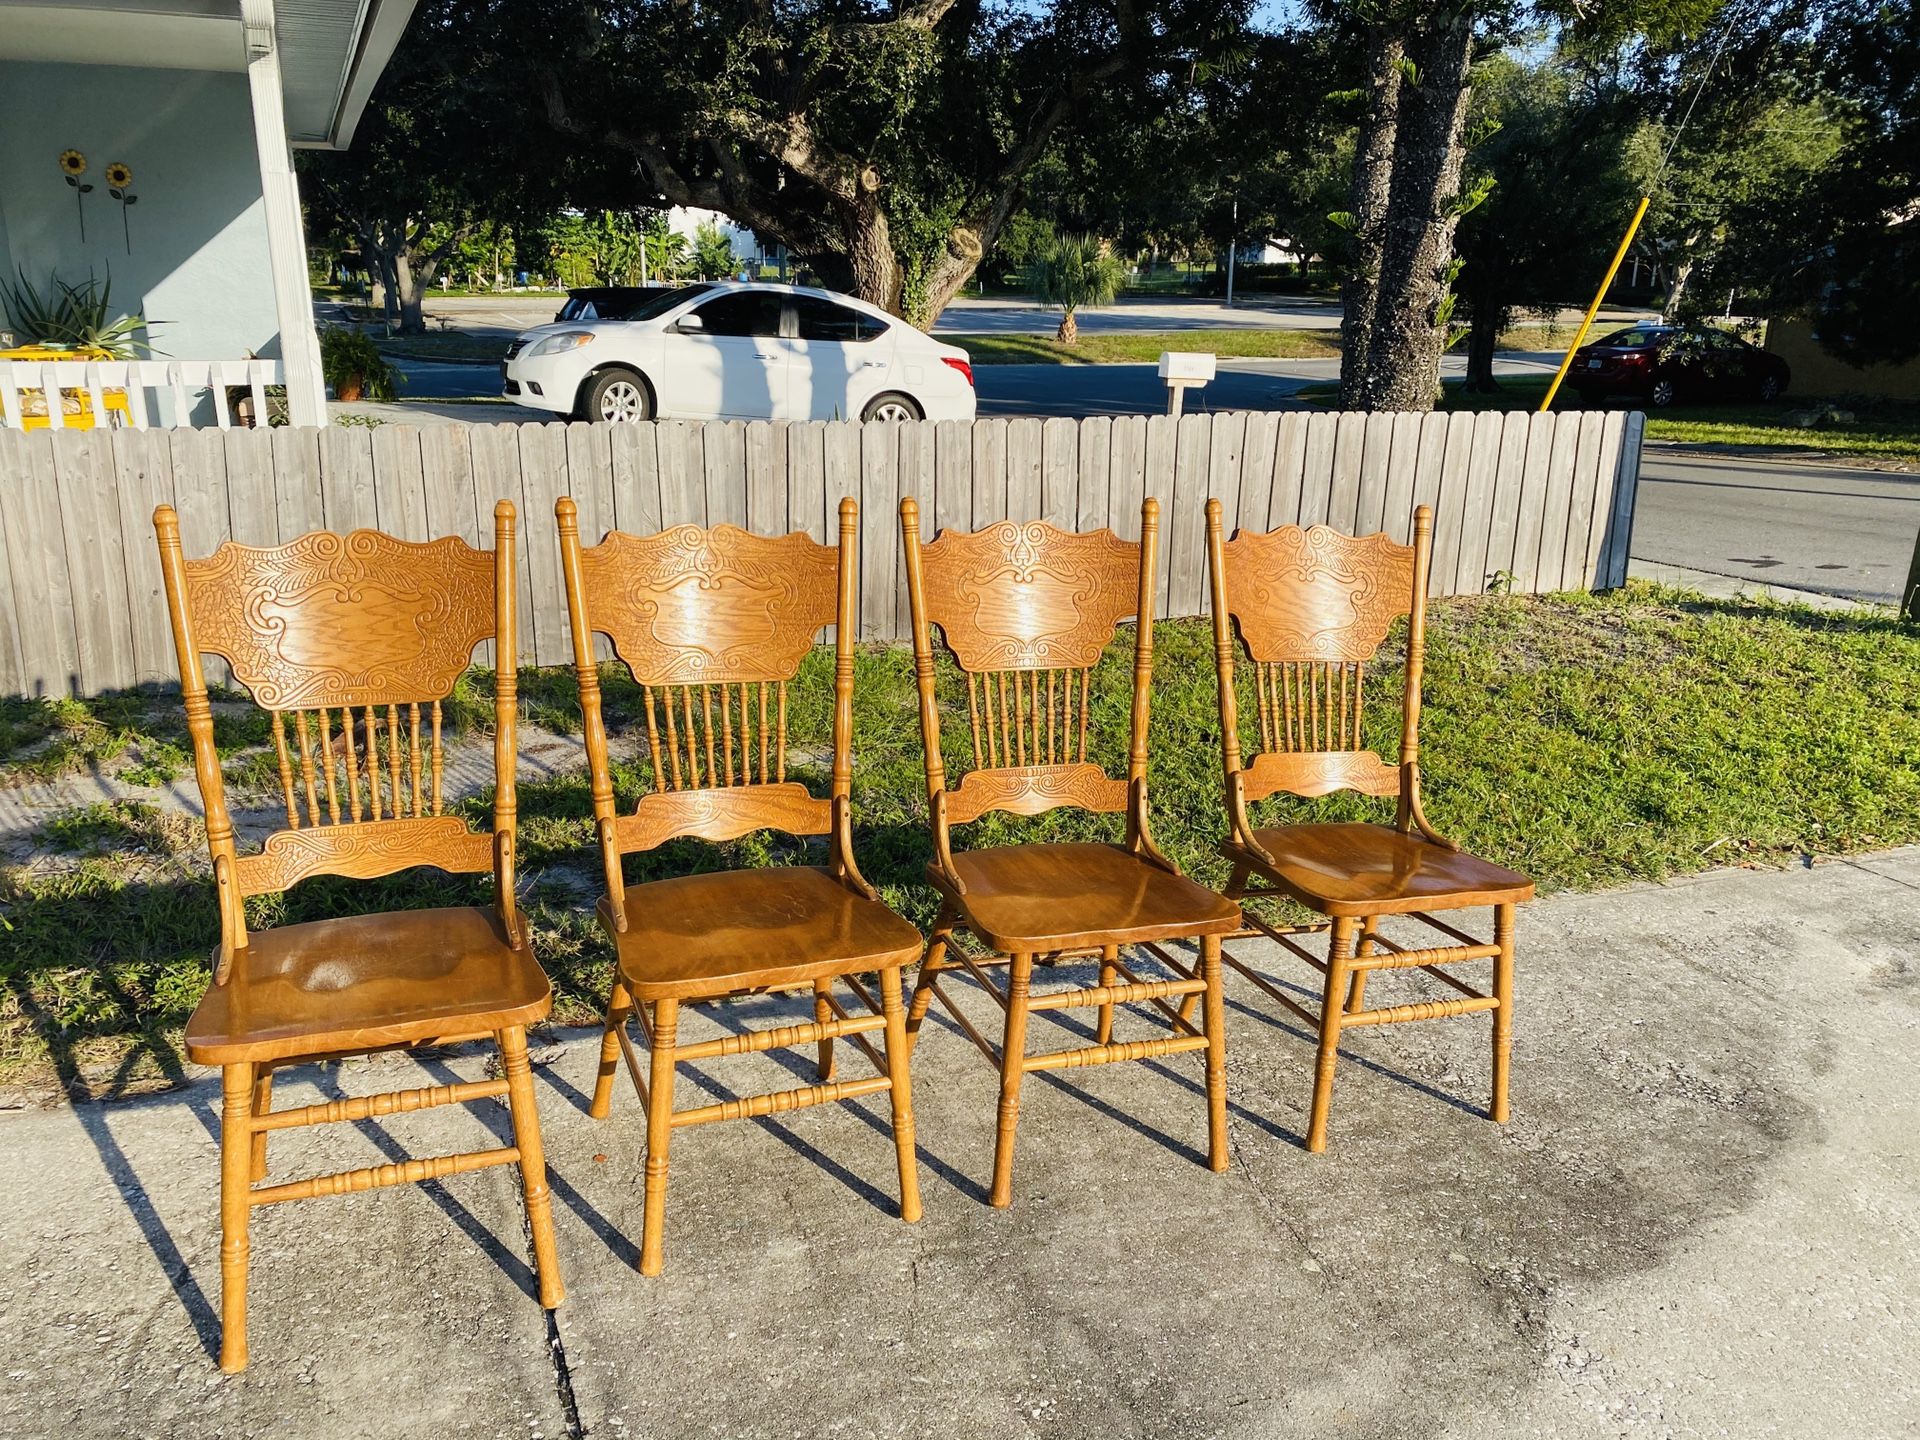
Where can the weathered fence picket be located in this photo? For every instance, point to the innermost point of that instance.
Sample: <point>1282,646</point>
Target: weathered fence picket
<point>1531,502</point>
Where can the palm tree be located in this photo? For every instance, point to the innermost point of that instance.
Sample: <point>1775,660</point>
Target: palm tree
<point>1074,270</point>
<point>666,250</point>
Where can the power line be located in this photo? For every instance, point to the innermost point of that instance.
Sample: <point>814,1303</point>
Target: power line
<point>1699,85</point>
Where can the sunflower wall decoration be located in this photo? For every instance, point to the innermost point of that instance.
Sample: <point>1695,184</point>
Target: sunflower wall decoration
<point>120,186</point>
<point>73,165</point>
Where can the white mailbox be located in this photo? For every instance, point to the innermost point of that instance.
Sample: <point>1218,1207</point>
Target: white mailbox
<point>1189,367</point>
<point>1182,369</point>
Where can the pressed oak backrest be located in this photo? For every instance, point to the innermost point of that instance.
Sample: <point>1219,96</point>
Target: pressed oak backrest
<point>1026,611</point>
<point>1312,608</point>
<point>713,624</point>
<point>349,642</point>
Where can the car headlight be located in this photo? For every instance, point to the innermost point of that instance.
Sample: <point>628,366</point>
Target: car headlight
<point>558,344</point>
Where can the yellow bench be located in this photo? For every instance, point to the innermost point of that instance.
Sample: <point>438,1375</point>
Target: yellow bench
<point>76,405</point>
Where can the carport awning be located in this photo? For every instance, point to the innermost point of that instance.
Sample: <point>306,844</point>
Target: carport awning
<point>331,51</point>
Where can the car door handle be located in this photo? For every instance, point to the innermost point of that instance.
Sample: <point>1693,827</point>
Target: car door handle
<point>873,364</point>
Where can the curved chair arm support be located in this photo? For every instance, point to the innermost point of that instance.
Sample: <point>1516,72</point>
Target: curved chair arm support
<point>503,880</point>
<point>845,869</point>
<point>233,917</point>
<point>1139,836</point>
<point>616,879</point>
<point>942,847</point>
<point>1419,817</point>
<point>1240,828</point>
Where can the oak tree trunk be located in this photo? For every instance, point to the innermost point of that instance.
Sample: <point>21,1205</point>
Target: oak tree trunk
<point>1409,320</point>
<point>1372,180</point>
<point>1480,347</point>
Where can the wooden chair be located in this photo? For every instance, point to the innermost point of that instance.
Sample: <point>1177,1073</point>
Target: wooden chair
<point>714,624</point>
<point>1312,607</point>
<point>335,635</point>
<point>1026,611</point>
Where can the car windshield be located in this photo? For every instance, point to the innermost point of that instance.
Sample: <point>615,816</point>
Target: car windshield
<point>1631,339</point>
<point>660,304</point>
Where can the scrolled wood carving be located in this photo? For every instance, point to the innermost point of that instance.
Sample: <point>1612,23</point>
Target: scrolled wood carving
<point>694,606</point>
<point>1030,596</point>
<point>1033,789</point>
<point>1316,594</point>
<point>329,620</point>
<point>722,814</point>
<point>364,851</point>
<point>1319,772</point>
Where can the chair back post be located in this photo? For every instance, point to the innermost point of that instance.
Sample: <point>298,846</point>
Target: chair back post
<point>1139,835</point>
<point>1408,813</point>
<point>923,677</point>
<point>1242,830</point>
<point>206,760</point>
<point>587,676</point>
<point>506,711</point>
<point>844,637</point>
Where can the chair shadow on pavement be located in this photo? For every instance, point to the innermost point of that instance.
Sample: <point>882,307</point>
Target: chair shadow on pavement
<point>88,1099</point>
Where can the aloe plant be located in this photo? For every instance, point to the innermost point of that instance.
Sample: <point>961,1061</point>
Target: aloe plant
<point>78,315</point>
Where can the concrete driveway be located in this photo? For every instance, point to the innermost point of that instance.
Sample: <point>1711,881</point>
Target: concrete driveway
<point>1703,1220</point>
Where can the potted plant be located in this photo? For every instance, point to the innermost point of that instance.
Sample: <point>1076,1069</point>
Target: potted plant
<point>353,366</point>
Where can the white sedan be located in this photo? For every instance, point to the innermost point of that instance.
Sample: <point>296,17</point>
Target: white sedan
<point>733,351</point>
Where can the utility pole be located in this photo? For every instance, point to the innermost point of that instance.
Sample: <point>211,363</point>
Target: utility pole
<point>1232,242</point>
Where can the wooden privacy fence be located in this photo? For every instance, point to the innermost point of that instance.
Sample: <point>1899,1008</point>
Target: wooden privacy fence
<point>1531,502</point>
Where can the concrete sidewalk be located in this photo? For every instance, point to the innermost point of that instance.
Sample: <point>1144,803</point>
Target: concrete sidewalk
<point>1704,1220</point>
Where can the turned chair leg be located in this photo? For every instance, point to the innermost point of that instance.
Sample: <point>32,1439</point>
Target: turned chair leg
<point>900,1090</point>
<point>1108,974</point>
<point>930,967</point>
<point>1236,887</point>
<point>1013,1051</point>
<point>262,1103</point>
<point>1503,1016</point>
<point>619,1007</point>
<point>533,1161</point>
<point>1339,956</point>
<point>822,1013</point>
<point>1357,987</point>
<point>236,1170</point>
<point>666,1027</point>
<point>1216,1027</point>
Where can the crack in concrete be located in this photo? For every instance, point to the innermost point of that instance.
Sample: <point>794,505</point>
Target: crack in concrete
<point>1272,1211</point>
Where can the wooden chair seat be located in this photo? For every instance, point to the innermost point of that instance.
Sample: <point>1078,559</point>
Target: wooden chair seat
<point>369,981</point>
<point>704,935</point>
<point>1360,870</point>
<point>1034,899</point>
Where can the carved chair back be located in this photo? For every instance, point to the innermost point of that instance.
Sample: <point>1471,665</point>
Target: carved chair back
<point>1311,609</point>
<point>350,643</point>
<point>713,625</point>
<point>1026,611</point>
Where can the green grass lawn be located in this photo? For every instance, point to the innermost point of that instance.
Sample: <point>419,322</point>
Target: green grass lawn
<point>1880,430</point>
<point>1586,740</point>
<point>1143,348</point>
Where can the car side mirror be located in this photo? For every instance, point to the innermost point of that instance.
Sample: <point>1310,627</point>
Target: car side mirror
<point>691,325</point>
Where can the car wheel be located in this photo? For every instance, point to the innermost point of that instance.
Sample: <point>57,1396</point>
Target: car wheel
<point>1593,399</point>
<point>1662,394</point>
<point>1769,389</point>
<point>617,396</point>
<point>890,406</point>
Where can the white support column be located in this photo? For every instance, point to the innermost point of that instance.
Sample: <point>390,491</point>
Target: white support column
<point>286,236</point>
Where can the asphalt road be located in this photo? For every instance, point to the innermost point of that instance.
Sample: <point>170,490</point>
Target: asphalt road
<point>1835,529</point>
